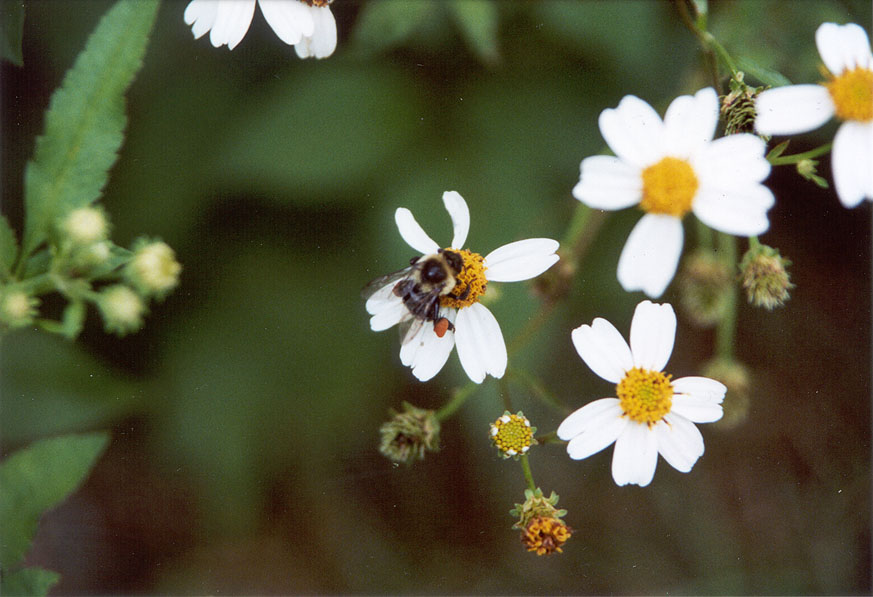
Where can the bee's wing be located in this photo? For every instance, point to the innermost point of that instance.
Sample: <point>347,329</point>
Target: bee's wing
<point>409,328</point>
<point>387,280</point>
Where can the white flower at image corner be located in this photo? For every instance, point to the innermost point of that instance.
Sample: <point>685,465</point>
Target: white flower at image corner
<point>308,25</point>
<point>477,335</point>
<point>848,95</point>
<point>669,168</point>
<point>652,414</point>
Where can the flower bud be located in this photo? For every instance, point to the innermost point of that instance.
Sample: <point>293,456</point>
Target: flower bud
<point>17,308</point>
<point>705,286</point>
<point>407,436</point>
<point>153,270</point>
<point>512,435</point>
<point>764,277</point>
<point>122,309</point>
<point>85,226</point>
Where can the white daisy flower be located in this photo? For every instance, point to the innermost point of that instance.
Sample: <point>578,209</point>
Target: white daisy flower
<point>475,331</point>
<point>669,168</point>
<point>308,25</point>
<point>847,94</point>
<point>652,414</point>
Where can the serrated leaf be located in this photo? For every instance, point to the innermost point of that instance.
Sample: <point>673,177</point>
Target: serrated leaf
<point>84,125</point>
<point>478,22</point>
<point>28,581</point>
<point>387,23</point>
<point>765,75</point>
<point>37,478</point>
<point>11,28</point>
<point>8,247</point>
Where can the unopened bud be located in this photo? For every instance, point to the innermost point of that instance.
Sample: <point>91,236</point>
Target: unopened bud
<point>85,226</point>
<point>705,286</point>
<point>17,308</point>
<point>122,309</point>
<point>153,270</point>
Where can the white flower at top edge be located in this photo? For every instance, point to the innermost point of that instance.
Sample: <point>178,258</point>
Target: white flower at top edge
<point>476,333</point>
<point>847,94</point>
<point>308,25</point>
<point>669,168</point>
<point>652,414</point>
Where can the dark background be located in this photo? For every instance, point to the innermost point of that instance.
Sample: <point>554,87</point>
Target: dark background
<point>245,414</point>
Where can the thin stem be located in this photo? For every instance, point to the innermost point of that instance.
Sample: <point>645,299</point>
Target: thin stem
<point>528,476</point>
<point>461,395</point>
<point>503,387</point>
<point>539,391</point>
<point>785,160</point>
<point>724,333</point>
<point>550,438</point>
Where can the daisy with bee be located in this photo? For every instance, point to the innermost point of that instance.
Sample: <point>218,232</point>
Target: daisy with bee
<point>436,299</point>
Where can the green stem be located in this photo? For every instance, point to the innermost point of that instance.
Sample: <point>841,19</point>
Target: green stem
<point>550,438</point>
<point>712,49</point>
<point>537,388</point>
<point>528,476</point>
<point>785,160</point>
<point>724,333</point>
<point>461,395</point>
<point>503,387</point>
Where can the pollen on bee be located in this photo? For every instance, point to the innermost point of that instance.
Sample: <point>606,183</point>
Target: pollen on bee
<point>441,326</point>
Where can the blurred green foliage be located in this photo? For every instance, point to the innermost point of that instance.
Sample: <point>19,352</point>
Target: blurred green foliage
<point>246,413</point>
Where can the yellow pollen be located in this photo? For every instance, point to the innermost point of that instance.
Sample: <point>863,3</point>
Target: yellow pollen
<point>545,536</point>
<point>645,396</point>
<point>469,284</point>
<point>852,93</point>
<point>669,187</point>
<point>512,434</point>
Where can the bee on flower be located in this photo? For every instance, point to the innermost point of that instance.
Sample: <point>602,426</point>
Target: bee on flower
<point>438,295</point>
<point>847,94</point>
<point>308,25</point>
<point>671,167</point>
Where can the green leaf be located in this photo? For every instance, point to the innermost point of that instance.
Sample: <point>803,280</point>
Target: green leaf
<point>778,150</point>
<point>28,581</point>
<point>8,247</point>
<point>84,125</point>
<point>478,22</point>
<point>763,74</point>
<point>388,23</point>
<point>37,478</point>
<point>11,28</point>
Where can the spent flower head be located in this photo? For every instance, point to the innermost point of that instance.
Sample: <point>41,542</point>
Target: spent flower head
<point>671,167</point>
<point>470,325</point>
<point>409,434</point>
<point>652,413</point>
<point>765,278</point>
<point>738,106</point>
<point>512,435</point>
<point>847,94</point>
<point>308,25</point>
<point>542,530</point>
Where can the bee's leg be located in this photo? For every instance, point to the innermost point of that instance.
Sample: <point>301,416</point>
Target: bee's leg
<point>465,294</point>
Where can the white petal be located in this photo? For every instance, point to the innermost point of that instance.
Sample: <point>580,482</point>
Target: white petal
<point>696,408</point>
<point>380,299</point>
<point>679,442</point>
<point>792,109</point>
<point>390,315</point>
<point>597,437</point>
<point>843,47</point>
<point>232,21</point>
<point>700,387</point>
<point>289,20</point>
<point>412,233</point>
<point>606,182</point>
<point>851,159</point>
<point>732,160</point>
<point>651,254</point>
<point>521,260</point>
<point>635,456</point>
<point>741,211</point>
<point>425,352</point>
<point>603,349</point>
<point>590,416</point>
<point>322,43</point>
<point>633,131</point>
<point>460,214</point>
<point>201,15</point>
<point>480,343</point>
<point>652,333</point>
<point>690,122</point>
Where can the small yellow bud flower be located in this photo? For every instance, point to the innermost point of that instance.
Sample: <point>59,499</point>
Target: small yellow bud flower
<point>512,435</point>
<point>17,308</point>
<point>85,225</point>
<point>153,270</point>
<point>122,309</point>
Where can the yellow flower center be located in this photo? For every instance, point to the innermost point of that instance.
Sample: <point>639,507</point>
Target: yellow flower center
<point>669,187</point>
<point>512,434</point>
<point>469,284</point>
<point>645,396</point>
<point>852,93</point>
<point>545,536</point>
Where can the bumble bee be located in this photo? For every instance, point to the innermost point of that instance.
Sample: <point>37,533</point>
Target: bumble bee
<point>420,287</point>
